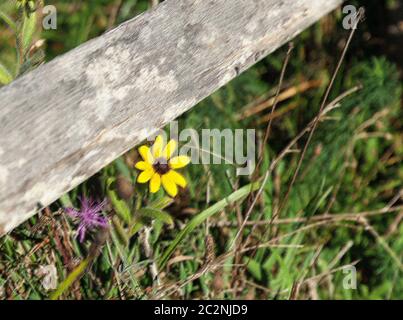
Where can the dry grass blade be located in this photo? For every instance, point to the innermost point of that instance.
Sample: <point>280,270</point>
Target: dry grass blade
<point>284,95</point>
<point>360,15</point>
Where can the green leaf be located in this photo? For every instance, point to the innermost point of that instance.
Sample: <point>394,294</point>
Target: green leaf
<point>153,211</point>
<point>27,31</point>
<point>161,203</point>
<point>120,231</point>
<point>201,217</point>
<point>255,268</point>
<point>5,75</point>
<point>156,214</point>
<point>66,201</point>
<point>135,228</point>
<point>73,276</point>
<point>122,167</point>
<point>7,19</point>
<point>120,206</point>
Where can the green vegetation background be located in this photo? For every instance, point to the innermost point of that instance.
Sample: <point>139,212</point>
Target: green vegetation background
<point>353,165</point>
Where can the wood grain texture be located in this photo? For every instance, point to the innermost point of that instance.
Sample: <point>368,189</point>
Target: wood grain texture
<point>69,118</point>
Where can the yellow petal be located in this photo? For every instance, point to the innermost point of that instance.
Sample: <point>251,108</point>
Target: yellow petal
<point>155,183</point>
<point>157,146</point>
<point>177,178</point>
<point>145,176</point>
<point>146,154</point>
<point>179,162</point>
<point>169,186</point>
<point>142,165</point>
<point>169,149</point>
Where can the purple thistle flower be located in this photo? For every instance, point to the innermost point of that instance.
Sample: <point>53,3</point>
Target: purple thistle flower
<point>89,216</point>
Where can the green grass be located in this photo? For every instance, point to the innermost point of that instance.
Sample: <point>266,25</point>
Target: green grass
<point>352,172</point>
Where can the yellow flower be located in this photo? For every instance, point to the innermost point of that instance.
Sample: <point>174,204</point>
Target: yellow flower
<point>158,167</point>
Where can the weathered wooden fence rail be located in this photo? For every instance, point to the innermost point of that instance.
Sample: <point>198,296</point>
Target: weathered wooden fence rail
<point>64,121</point>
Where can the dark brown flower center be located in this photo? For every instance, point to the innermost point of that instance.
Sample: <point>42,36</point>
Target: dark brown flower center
<point>161,165</point>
